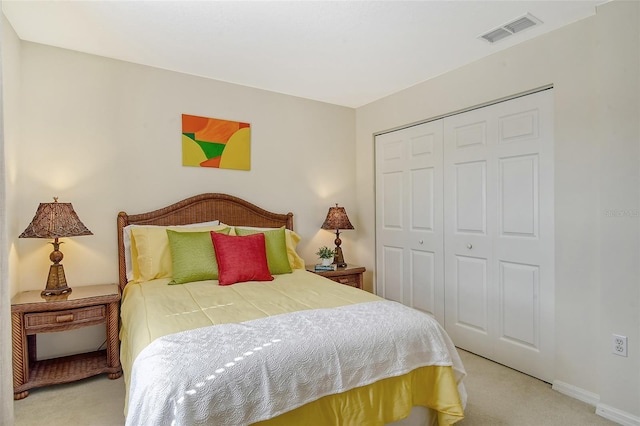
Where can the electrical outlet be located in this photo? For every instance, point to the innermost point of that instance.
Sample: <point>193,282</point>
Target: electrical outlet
<point>619,345</point>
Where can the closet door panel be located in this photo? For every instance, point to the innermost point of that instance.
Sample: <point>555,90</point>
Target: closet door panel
<point>518,197</point>
<point>393,270</point>
<point>471,293</point>
<point>519,288</point>
<point>470,197</point>
<point>423,280</point>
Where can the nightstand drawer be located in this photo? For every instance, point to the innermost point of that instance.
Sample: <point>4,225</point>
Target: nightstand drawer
<point>64,320</point>
<point>353,280</point>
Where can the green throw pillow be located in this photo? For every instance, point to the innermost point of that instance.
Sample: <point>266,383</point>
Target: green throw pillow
<point>192,256</point>
<point>276,245</point>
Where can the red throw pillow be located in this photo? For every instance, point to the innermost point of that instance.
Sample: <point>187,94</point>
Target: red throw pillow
<point>241,259</point>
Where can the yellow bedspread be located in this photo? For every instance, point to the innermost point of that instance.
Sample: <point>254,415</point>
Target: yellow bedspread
<point>153,309</point>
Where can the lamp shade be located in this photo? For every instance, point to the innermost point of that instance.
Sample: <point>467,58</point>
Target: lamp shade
<point>337,219</point>
<point>55,220</point>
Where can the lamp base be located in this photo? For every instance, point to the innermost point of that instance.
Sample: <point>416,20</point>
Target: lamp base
<point>338,258</point>
<point>56,282</point>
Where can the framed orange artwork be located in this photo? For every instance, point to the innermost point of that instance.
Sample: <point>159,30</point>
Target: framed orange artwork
<point>212,142</point>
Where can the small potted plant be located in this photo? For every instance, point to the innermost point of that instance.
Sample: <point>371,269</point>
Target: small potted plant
<point>326,255</point>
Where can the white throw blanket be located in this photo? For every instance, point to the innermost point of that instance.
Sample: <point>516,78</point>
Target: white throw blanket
<point>237,374</point>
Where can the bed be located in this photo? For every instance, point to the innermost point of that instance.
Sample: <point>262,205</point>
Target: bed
<point>235,344</point>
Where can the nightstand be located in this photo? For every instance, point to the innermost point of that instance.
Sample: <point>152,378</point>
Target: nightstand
<point>31,314</point>
<point>349,275</point>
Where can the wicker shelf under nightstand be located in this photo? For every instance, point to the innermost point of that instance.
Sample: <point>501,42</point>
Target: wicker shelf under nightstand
<point>349,275</point>
<point>84,306</point>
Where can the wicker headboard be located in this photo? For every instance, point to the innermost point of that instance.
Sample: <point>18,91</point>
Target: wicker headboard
<point>201,208</point>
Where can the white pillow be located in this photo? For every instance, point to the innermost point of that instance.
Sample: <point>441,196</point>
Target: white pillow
<point>126,236</point>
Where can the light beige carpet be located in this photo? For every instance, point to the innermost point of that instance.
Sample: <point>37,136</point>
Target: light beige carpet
<point>498,396</point>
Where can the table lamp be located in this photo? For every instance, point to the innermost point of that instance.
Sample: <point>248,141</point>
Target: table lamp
<point>55,220</point>
<point>337,219</point>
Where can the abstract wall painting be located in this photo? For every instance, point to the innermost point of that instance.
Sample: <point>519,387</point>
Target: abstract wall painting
<point>212,142</point>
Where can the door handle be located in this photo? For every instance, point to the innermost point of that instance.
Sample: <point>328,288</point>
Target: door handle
<point>469,246</point>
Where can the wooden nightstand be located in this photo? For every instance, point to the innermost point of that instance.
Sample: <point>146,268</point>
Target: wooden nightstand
<point>84,306</point>
<point>349,275</point>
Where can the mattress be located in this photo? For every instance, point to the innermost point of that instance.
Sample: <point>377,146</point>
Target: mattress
<point>153,310</point>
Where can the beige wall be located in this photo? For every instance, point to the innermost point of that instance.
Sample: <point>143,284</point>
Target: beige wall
<point>580,60</point>
<point>9,138</point>
<point>11,69</point>
<point>105,136</point>
<point>618,118</point>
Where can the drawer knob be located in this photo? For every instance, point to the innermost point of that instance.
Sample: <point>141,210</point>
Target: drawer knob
<point>64,318</point>
<point>343,280</point>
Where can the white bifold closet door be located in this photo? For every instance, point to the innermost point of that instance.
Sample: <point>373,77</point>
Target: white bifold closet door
<point>409,225</point>
<point>487,269</point>
<point>499,241</point>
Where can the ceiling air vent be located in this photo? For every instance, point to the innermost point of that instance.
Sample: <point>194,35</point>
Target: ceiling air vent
<point>510,28</point>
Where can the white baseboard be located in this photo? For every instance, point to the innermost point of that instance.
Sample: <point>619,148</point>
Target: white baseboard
<point>603,410</point>
<point>618,416</point>
<point>576,392</point>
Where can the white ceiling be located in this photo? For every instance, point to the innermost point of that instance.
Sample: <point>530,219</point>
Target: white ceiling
<point>343,52</point>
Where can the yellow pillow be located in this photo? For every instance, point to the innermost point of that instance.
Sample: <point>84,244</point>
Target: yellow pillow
<point>291,239</point>
<point>151,255</point>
